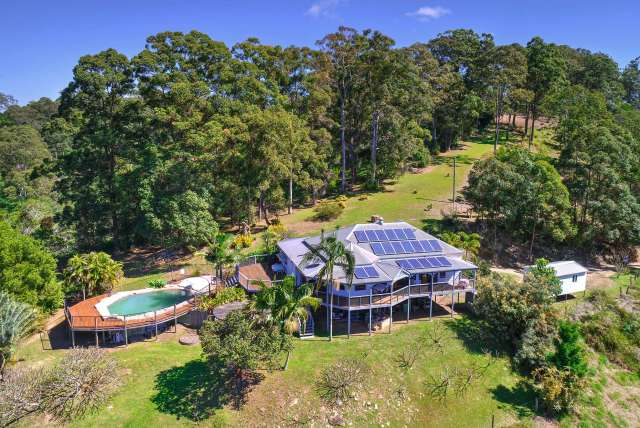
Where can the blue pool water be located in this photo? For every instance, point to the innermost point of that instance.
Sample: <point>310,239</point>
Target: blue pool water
<point>147,302</point>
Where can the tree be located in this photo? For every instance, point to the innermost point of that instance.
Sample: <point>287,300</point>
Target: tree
<point>569,353</point>
<point>28,271</point>
<point>239,345</point>
<point>545,69</point>
<point>331,253</point>
<point>286,304</point>
<point>94,273</point>
<point>221,253</point>
<point>35,113</point>
<point>79,383</point>
<point>631,83</point>
<point>510,308</point>
<point>15,322</point>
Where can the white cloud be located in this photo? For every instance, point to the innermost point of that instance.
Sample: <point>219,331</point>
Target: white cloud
<point>322,8</point>
<point>427,13</point>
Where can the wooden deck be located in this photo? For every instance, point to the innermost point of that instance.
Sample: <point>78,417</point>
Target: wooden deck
<point>84,316</point>
<point>251,275</point>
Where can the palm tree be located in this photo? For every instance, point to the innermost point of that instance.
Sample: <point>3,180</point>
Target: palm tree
<point>221,253</point>
<point>94,273</point>
<point>15,322</point>
<point>330,252</point>
<point>286,305</point>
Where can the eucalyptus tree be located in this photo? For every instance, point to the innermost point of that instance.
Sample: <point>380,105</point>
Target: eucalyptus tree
<point>545,70</point>
<point>331,253</point>
<point>631,83</point>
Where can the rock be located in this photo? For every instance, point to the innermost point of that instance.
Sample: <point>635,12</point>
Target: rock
<point>293,402</point>
<point>336,420</point>
<point>190,339</point>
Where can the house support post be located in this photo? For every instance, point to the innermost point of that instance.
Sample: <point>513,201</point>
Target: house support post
<point>431,300</point>
<point>453,295</point>
<point>175,320</point>
<point>73,338</point>
<point>408,307</point>
<point>370,310</point>
<point>390,317</point>
<point>155,322</point>
<point>96,331</point>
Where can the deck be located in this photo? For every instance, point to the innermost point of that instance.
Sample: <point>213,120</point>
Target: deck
<point>251,275</point>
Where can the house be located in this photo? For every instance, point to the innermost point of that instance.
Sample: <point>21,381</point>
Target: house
<point>397,266</point>
<point>572,276</point>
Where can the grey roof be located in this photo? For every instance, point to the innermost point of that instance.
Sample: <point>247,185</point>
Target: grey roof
<point>564,268</point>
<point>385,265</point>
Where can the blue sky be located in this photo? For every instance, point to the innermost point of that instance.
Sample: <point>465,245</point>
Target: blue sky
<point>41,41</point>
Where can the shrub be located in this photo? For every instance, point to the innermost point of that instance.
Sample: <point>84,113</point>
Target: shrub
<point>274,234</point>
<point>559,390</point>
<point>569,352</point>
<point>421,157</point>
<point>227,295</point>
<point>81,382</point>
<point>242,241</point>
<point>157,283</point>
<point>340,381</point>
<point>328,210</point>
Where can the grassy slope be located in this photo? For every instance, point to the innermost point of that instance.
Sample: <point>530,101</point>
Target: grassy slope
<point>405,199</point>
<point>134,405</point>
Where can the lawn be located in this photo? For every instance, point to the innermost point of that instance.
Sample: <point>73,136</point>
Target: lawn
<point>166,384</point>
<point>406,198</point>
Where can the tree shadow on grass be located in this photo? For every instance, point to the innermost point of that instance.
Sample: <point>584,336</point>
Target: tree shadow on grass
<point>192,391</point>
<point>519,399</point>
<point>474,337</point>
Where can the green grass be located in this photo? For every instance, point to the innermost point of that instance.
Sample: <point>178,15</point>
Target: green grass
<point>406,198</point>
<point>166,384</point>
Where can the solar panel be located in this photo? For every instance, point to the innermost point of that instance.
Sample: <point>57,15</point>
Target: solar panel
<point>443,261</point>
<point>361,236</point>
<point>417,248</point>
<point>409,233</point>
<point>377,248</point>
<point>397,246</point>
<point>414,263</point>
<point>426,245</point>
<point>400,234</point>
<point>391,234</point>
<point>434,262</point>
<point>371,272</point>
<point>403,264</point>
<point>388,248</point>
<point>371,234</point>
<point>408,248</point>
<point>435,245</point>
<point>424,262</point>
<point>360,273</point>
<point>381,235</point>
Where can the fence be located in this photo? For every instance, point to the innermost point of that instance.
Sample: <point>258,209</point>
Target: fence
<point>149,322</point>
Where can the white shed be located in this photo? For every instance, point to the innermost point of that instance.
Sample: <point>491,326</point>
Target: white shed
<point>572,276</point>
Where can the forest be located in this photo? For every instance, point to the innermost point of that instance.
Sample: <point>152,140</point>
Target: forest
<point>191,135</point>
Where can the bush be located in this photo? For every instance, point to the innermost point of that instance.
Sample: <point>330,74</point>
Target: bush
<point>328,210</point>
<point>242,241</point>
<point>559,390</point>
<point>157,283</point>
<point>339,382</point>
<point>227,295</point>
<point>421,157</point>
<point>274,234</point>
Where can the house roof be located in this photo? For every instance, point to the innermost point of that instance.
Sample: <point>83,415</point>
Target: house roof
<point>564,268</point>
<point>384,264</point>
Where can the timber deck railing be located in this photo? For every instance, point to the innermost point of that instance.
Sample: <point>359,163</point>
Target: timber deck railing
<point>151,319</point>
<point>247,282</point>
<point>392,298</point>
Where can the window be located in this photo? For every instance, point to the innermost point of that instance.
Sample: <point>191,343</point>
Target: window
<point>575,278</point>
<point>443,275</point>
<point>361,287</point>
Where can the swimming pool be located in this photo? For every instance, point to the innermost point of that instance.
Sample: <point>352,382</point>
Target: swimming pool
<point>147,302</point>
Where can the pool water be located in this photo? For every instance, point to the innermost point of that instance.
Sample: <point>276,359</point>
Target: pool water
<point>147,302</point>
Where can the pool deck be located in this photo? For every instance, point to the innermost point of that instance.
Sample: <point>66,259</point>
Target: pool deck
<point>85,316</point>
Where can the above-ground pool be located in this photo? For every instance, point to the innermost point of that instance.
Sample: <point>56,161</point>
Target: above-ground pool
<point>147,302</point>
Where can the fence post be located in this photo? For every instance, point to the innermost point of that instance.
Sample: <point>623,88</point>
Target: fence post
<point>96,331</point>
<point>155,321</point>
<point>175,320</point>
<point>126,338</point>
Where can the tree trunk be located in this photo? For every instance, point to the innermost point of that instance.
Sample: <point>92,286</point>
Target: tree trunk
<point>331,314</point>
<point>354,163</point>
<point>343,147</point>
<point>434,137</point>
<point>533,124</point>
<point>374,146</point>
<point>290,194</point>
<point>498,117</point>
<point>526,121</point>
<point>533,237</point>
<point>286,362</point>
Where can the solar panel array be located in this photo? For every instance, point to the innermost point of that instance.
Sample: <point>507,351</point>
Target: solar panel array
<point>423,263</point>
<point>382,235</point>
<point>406,247</point>
<point>362,272</point>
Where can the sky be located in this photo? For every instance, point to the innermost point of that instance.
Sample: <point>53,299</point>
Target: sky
<point>41,41</point>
